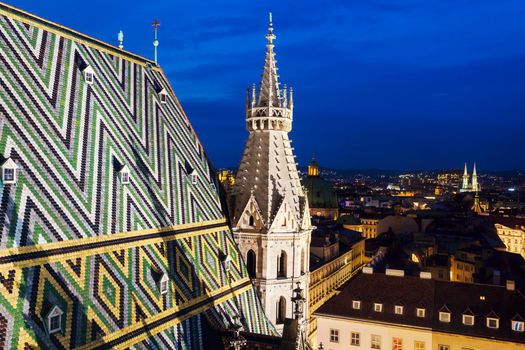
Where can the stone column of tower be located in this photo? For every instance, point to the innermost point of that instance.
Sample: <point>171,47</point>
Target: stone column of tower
<point>269,210</point>
<point>475,186</point>
<point>464,186</point>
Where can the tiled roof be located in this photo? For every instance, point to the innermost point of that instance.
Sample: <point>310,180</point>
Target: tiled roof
<point>435,296</point>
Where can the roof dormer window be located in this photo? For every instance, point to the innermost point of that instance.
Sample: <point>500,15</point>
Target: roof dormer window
<point>124,175</point>
<point>398,309</point>
<point>356,304</point>
<point>163,96</point>
<point>9,171</point>
<point>89,75</point>
<point>54,320</point>
<point>518,326</point>
<point>378,307</point>
<point>468,320</point>
<point>492,322</point>
<point>194,177</point>
<point>420,312</point>
<point>444,317</point>
<point>163,284</point>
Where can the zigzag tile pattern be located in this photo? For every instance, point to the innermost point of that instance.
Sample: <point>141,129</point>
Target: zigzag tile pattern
<point>69,140</point>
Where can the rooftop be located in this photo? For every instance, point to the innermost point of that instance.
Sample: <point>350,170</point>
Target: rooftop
<point>434,296</point>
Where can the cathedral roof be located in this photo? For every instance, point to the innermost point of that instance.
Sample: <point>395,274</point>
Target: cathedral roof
<point>74,230</point>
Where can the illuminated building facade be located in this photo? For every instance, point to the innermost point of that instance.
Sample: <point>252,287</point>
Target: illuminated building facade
<point>393,311</point>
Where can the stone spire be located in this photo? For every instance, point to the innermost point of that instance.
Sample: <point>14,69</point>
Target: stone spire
<point>268,168</point>
<point>475,179</point>
<point>269,94</point>
<point>465,178</point>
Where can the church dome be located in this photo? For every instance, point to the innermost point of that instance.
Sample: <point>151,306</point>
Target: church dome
<point>321,193</point>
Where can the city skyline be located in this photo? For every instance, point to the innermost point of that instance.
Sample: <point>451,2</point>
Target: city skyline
<point>449,83</point>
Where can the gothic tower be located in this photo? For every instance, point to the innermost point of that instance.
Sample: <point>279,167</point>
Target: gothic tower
<point>475,186</point>
<point>269,210</point>
<point>465,186</point>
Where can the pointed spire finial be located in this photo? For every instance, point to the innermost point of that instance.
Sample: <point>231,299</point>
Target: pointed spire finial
<point>155,25</point>
<point>120,38</point>
<point>270,36</point>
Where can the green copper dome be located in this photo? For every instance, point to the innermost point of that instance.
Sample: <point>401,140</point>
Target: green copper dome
<point>321,194</point>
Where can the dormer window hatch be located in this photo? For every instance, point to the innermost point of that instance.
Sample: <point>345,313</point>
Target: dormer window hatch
<point>194,177</point>
<point>9,171</point>
<point>398,309</point>
<point>163,284</point>
<point>54,320</point>
<point>356,304</point>
<point>89,75</point>
<point>163,96</point>
<point>378,307</point>
<point>226,261</point>
<point>420,312</point>
<point>124,175</point>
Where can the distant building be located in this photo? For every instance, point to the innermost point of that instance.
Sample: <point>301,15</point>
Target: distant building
<point>393,311</point>
<point>470,186</point>
<point>511,231</point>
<point>334,261</point>
<point>321,195</point>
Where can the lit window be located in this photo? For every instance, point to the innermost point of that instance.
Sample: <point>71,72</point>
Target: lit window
<point>420,312</point>
<point>398,309</point>
<point>468,320</point>
<point>163,284</point>
<point>355,339</point>
<point>356,304</point>
<point>444,317</point>
<point>419,345</point>
<point>443,347</point>
<point>375,341</point>
<point>492,322</point>
<point>397,344</point>
<point>378,307</point>
<point>54,320</point>
<point>517,326</point>
<point>334,335</point>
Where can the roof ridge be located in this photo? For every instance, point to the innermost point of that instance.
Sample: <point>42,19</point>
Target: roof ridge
<point>69,33</point>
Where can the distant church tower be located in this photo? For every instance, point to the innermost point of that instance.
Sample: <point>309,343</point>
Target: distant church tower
<point>269,210</point>
<point>465,185</point>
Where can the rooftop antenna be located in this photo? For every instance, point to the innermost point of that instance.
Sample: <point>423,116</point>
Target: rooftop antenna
<point>120,40</point>
<point>155,25</point>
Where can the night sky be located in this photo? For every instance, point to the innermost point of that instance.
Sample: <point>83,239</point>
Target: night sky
<point>378,84</point>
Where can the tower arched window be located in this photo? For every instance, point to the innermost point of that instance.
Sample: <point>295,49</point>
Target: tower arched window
<point>303,262</point>
<point>281,264</point>
<point>251,262</point>
<point>251,221</point>
<point>280,311</point>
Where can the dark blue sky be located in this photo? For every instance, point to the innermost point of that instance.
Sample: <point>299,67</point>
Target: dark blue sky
<point>378,84</point>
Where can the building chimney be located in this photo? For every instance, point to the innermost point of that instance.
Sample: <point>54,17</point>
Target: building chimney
<point>511,285</point>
